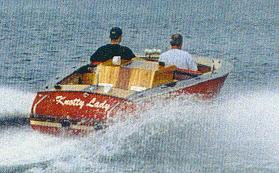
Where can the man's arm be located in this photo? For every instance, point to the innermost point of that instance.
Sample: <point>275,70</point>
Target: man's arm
<point>191,63</point>
<point>162,57</point>
<point>128,54</point>
<point>97,56</point>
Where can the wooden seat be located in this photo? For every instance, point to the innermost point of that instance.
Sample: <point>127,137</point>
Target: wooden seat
<point>108,74</point>
<point>151,78</point>
<point>163,75</point>
<point>138,74</point>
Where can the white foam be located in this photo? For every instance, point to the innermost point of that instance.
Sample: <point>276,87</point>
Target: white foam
<point>24,146</point>
<point>15,102</point>
<point>226,126</point>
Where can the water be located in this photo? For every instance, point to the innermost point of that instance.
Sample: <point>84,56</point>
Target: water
<point>237,132</point>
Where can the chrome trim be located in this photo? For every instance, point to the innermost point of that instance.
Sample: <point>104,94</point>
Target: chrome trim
<point>59,125</point>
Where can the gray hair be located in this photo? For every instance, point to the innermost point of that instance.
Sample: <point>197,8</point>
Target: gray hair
<point>176,40</point>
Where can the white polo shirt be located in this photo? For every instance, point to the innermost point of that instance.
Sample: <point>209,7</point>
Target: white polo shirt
<point>179,58</point>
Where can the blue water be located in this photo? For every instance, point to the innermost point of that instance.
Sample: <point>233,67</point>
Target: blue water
<point>237,132</point>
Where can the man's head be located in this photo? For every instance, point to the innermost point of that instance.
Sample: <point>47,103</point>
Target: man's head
<point>176,41</point>
<point>115,34</point>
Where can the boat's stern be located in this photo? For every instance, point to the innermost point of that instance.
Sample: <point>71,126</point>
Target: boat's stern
<point>73,112</point>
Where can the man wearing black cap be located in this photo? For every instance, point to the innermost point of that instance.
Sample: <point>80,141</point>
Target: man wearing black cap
<point>175,56</point>
<point>108,51</point>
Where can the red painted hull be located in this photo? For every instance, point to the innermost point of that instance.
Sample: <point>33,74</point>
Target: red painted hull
<point>207,89</point>
<point>72,111</point>
<point>78,112</point>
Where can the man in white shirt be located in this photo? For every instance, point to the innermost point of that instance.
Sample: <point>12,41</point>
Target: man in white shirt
<point>175,56</point>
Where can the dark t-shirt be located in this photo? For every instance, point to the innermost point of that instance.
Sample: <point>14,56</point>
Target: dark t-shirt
<point>108,51</point>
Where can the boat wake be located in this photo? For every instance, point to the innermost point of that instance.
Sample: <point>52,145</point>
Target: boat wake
<point>181,135</point>
<point>15,106</point>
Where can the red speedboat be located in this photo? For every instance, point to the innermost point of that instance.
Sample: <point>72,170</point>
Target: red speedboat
<point>84,100</point>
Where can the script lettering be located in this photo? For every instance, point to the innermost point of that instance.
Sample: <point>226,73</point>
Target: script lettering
<point>74,102</point>
<point>94,104</point>
<point>80,103</point>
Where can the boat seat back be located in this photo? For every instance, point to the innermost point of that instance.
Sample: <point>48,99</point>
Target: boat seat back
<point>148,78</point>
<point>163,75</point>
<point>108,74</point>
<point>135,75</point>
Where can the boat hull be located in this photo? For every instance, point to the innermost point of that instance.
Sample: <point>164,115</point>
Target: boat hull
<point>206,90</point>
<point>80,112</point>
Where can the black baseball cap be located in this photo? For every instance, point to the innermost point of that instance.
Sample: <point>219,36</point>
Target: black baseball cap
<point>176,40</point>
<point>115,33</point>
